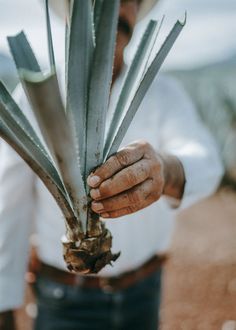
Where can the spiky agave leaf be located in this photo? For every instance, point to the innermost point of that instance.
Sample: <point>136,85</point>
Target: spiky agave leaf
<point>20,118</point>
<point>71,221</point>
<point>49,36</point>
<point>23,130</point>
<point>106,16</point>
<point>144,85</point>
<point>78,72</point>
<point>22,53</point>
<point>44,96</point>
<point>97,10</point>
<point>152,46</point>
<point>93,252</point>
<point>100,83</point>
<point>17,131</point>
<point>25,59</point>
<point>132,78</point>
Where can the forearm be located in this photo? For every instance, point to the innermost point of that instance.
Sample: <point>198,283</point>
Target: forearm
<point>7,321</point>
<point>174,176</point>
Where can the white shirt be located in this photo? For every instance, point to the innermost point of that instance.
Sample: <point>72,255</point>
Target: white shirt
<point>166,119</point>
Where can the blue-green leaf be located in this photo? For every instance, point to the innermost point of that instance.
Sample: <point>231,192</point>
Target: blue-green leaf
<point>78,73</point>
<point>100,83</point>
<point>24,131</point>
<point>20,118</point>
<point>132,79</point>
<point>49,36</point>
<point>97,14</point>
<point>22,53</point>
<point>19,146</point>
<point>44,96</point>
<point>144,85</point>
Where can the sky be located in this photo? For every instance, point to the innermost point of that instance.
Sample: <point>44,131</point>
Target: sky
<point>209,34</point>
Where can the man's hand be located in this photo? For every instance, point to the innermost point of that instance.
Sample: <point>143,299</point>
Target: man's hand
<point>7,321</point>
<point>134,178</point>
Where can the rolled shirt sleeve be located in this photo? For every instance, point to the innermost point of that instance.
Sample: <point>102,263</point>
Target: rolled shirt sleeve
<point>184,135</point>
<point>16,209</point>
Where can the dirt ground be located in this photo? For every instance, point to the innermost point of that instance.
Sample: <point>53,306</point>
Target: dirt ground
<point>200,276</point>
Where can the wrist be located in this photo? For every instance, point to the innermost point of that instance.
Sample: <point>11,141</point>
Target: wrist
<point>174,177</point>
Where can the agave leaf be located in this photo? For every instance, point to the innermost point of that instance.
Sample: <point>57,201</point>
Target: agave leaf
<point>157,31</point>
<point>32,148</point>
<point>144,85</point>
<point>62,202</point>
<point>44,96</point>
<point>26,132</point>
<point>67,37</point>
<point>99,89</point>
<point>49,36</point>
<point>22,53</point>
<point>21,138</point>
<point>133,76</point>
<point>20,118</point>
<point>97,14</point>
<point>78,73</point>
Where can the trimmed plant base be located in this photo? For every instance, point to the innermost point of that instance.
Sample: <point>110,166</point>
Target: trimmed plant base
<point>90,254</point>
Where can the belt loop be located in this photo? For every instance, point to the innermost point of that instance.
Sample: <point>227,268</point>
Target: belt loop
<point>106,285</point>
<point>79,280</point>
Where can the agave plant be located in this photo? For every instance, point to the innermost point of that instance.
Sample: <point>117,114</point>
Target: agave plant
<point>75,135</point>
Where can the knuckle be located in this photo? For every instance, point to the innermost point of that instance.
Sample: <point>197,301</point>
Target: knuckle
<point>130,177</point>
<point>145,169</point>
<point>144,144</point>
<point>133,208</point>
<point>108,168</point>
<point>113,161</point>
<point>157,190</point>
<point>156,166</point>
<point>135,197</point>
<point>154,196</point>
<point>123,157</point>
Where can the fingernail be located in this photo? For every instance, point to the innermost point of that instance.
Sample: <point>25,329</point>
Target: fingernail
<point>105,215</point>
<point>98,206</point>
<point>95,193</point>
<point>93,180</point>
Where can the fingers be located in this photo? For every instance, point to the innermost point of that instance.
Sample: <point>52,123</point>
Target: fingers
<point>130,198</point>
<point>127,210</point>
<point>125,157</point>
<point>123,180</point>
<point>121,213</point>
<point>129,181</point>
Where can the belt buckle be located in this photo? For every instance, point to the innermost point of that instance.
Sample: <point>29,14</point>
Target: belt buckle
<point>106,284</point>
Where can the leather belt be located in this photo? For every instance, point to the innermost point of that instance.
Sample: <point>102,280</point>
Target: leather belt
<point>109,284</point>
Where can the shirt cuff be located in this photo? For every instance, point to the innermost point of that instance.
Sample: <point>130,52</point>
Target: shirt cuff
<point>202,177</point>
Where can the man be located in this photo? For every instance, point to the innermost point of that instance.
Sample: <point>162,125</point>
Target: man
<point>175,160</point>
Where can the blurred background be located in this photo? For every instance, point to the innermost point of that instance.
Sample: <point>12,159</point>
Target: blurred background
<point>200,276</point>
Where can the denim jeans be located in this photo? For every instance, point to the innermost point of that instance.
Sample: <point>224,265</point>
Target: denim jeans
<point>63,307</point>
